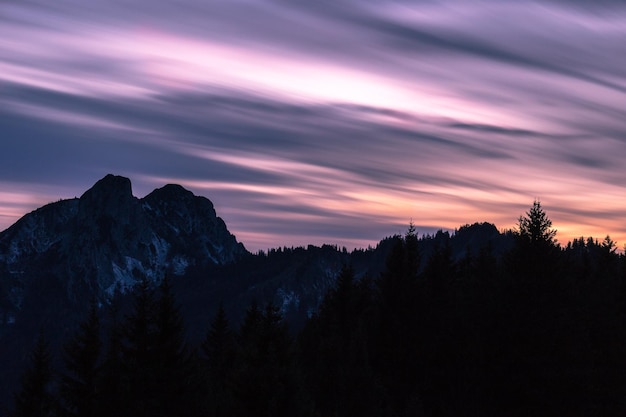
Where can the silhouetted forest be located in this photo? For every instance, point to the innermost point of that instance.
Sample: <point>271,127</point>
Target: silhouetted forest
<point>537,330</point>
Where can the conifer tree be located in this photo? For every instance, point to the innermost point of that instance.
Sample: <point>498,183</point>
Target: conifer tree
<point>250,328</point>
<point>541,321</point>
<point>138,353</point>
<point>534,261</point>
<point>439,272</point>
<point>35,398</point>
<point>335,350</point>
<point>113,381</point>
<point>266,379</point>
<point>157,365</point>
<point>536,227</point>
<point>172,367</point>
<point>219,351</point>
<point>79,388</point>
<point>219,344</point>
<point>401,305</point>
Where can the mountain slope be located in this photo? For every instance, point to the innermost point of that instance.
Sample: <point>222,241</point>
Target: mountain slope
<point>57,259</point>
<point>107,240</point>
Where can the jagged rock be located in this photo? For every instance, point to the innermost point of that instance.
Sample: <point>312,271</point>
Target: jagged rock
<point>108,239</point>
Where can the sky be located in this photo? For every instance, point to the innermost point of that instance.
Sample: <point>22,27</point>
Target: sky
<point>310,122</point>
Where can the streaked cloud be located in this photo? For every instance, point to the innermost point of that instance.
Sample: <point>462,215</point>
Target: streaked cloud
<point>320,122</point>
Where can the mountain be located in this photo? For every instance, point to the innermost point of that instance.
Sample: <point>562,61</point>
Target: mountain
<point>58,259</point>
<point>107,240</point>
<point>405,330</point>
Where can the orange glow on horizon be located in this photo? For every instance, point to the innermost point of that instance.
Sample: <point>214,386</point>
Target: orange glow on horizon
<point>437,112</point>
<point>433,213</point>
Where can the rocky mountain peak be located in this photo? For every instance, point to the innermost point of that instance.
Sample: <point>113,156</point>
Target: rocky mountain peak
<point>108,239</point>
<point>111,196</point>
<point>173,199</point>
<point>172,192</point>
<point>110,185</point>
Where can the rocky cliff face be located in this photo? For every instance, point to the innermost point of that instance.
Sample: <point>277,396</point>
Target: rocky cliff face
<point>107,240</point>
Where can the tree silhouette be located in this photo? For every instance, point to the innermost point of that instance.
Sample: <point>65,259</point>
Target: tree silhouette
<point>399,329</point>
<point>336,350</point>
<point>79,383</point>
<point>138,355</point>
<point>113,380</point>
<point>219,350</point>
<point>266,380</point>
<point>172,367</point>
<point>529,328</point>
<point>536,227</point>
<point>35,398</point>
<point>535,259</point>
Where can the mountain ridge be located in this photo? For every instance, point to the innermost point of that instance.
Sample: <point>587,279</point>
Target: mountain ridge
<point>108,239</point>
<point>59,258</point>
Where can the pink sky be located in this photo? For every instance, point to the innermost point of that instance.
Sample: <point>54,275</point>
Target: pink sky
<point>323,123</point>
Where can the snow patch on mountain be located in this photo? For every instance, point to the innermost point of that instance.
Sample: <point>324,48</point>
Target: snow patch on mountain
<point>122,278</point>
<point>290,300</point>
<point>160,249</point>
<point>179,265</point>
<point>14,253</point>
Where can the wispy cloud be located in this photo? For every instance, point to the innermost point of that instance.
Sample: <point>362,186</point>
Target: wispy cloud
<point>322,121</point>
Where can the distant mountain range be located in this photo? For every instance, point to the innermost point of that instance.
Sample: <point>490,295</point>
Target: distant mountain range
<point>58,259</point>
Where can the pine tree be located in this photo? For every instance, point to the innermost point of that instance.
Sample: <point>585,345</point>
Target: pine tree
<point>401,304</point>
<point>81,356</point>
<point>536,227</point>
<point>412,250</point>
<point>534,261</point>
<point>113,381</point>
<point>250,387</point>
<point>158,369</point>
<point>266,382</point>
<point>439,331</point>
<point>335,350</point>
<point>219,350</point>
<point>173,363</point>
<point>541,322</point>
<point>35,398</point>
<point>219,344</point>
<point>251,327</point>
<point>439,272</point>
<point>138,355</point>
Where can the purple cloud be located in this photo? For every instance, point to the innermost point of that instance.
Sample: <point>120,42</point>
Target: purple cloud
<point>322,122</point>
